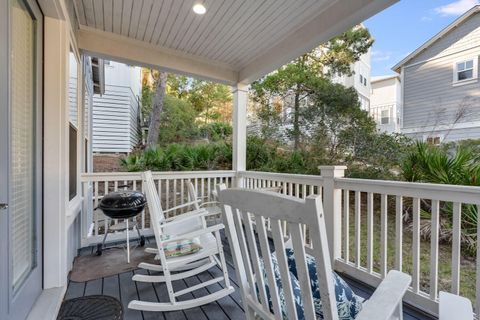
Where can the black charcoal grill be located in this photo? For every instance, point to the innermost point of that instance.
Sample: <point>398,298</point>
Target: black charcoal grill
<point>122,205</point>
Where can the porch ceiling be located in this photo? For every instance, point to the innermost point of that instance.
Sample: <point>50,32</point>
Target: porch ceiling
<point>234,41</point>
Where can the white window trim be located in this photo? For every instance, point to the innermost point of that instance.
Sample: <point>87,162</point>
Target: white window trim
<point>474,79</point>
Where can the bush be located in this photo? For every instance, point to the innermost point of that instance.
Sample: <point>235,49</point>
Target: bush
<point>216,131</point>
<point>458,166</point>
<point>181,157</point>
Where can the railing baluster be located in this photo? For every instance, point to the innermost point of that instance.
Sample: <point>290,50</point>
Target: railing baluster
<point>457,213</point>
<point>358,208</point>
<point>398,232</point>
<point>369,232</point>
<point>95,208</point>
<point>174,196</point>
<point>290,189</point>
<point>106,222</point>
<point>416,245</point>
<point>346,225</point>
<point>434,249</point>
<point>208,190</point>
<point>167,194</point>
<point>384,235</point>
<point>182,200</point>
<point>115,188</point>
<point>143,211</point>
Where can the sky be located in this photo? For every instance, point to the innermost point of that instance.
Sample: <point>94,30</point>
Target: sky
<point>405,26</point>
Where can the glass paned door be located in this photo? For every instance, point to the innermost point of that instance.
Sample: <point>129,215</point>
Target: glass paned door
<point>22,144</point>
<point>20,157</point>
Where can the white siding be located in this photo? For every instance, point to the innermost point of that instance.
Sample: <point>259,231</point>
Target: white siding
<point>386,96</point>
<point>115,113</point>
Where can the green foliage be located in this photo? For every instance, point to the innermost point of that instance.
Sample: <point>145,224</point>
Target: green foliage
<point>458,166</point>
<point>305,87</point>
<point>216,131</point>
<point>177,121</point>
<point>181,157</point>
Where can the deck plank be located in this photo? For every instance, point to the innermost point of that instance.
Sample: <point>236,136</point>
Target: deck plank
<point>75,290</point>
<point>146,292</point>
<point>111,286</point>
<point>125,289</point>
<point>128,292</point>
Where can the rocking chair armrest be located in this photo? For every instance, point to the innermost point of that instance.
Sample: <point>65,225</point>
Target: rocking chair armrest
<point>387,298</point>
<point>183,205</point>
<point>208,203</point>
<point>182,217</point>
<point>194,234</point>
<point>452,306</point>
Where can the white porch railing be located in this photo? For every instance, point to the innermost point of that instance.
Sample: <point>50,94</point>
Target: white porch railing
<point>171,187</point>
<point>367,245</point>
<point>365,221</point>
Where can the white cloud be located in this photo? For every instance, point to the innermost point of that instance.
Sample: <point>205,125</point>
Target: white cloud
<point>456,8</point>
<point>378,55</point>
<point>426,19</point>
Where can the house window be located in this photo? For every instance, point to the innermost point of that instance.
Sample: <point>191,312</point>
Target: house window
<point>433,141</point>
<point>385,117</point>
<point>363,80</point>
<point>465,70</point>
<point>72,162</point>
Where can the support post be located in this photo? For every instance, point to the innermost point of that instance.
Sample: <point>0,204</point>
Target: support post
<point>239,158</point>
<point>55,171</point>
<point>332,207</point>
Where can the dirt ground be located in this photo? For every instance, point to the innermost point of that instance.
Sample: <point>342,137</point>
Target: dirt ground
<point>107,162</point>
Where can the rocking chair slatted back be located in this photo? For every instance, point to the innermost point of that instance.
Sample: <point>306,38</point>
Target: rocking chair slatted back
<point>245,213</point>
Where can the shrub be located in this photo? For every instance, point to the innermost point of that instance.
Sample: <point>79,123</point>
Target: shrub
<point>460,166</point>
<point>180,157</point>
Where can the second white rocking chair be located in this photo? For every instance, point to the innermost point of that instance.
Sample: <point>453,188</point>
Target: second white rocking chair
<point>185,226</point>
<point>267,282</point>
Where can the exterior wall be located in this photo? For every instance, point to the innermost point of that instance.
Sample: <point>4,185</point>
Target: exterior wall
<point>386,95</point>
<point>116,112</point>
<point>361,68</point>
<point>434,105</point>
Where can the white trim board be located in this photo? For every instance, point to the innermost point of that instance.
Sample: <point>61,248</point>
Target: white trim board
<point>48,304</point>
<point>457,126</point>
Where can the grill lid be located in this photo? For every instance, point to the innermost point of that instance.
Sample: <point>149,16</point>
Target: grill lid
<point>122,200</point>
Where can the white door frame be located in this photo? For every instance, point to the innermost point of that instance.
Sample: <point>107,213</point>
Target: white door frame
<point>16,305</point>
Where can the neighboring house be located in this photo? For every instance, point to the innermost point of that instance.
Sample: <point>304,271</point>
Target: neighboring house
<point>116,113</point>
<point>360,79</point>
<point>440,84</point>
<point>385,103</point>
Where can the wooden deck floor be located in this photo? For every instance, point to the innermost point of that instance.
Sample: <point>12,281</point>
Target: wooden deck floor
<point>122,287</point>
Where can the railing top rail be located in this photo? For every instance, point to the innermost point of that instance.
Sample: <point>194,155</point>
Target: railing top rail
<point>442,192</point>
<point>287,177</point>
<point>112,176</point>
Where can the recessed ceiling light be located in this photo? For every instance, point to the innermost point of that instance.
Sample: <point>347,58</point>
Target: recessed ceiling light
<point>199,8</point>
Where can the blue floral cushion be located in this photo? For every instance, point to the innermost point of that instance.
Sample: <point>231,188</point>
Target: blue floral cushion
<point>348,303</point>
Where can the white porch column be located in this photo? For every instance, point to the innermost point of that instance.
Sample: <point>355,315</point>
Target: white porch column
<point>332,207</point>
<point>55,155</point>
<point>239,157</point>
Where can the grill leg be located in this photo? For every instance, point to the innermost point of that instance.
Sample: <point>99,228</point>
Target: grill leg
<point>101,246</point>
<point>140,236</point>
<point>128,244</point>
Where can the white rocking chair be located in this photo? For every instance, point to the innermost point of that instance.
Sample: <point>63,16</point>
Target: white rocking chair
<point>241,207</point>
<point>186,226</point>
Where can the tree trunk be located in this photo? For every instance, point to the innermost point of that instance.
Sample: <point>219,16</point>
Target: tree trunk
<point>296,126</point>
<point>154,127</point>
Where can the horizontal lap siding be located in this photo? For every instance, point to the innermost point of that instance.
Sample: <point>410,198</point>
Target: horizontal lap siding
<point>430,99</point>
<point>115,120</point>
